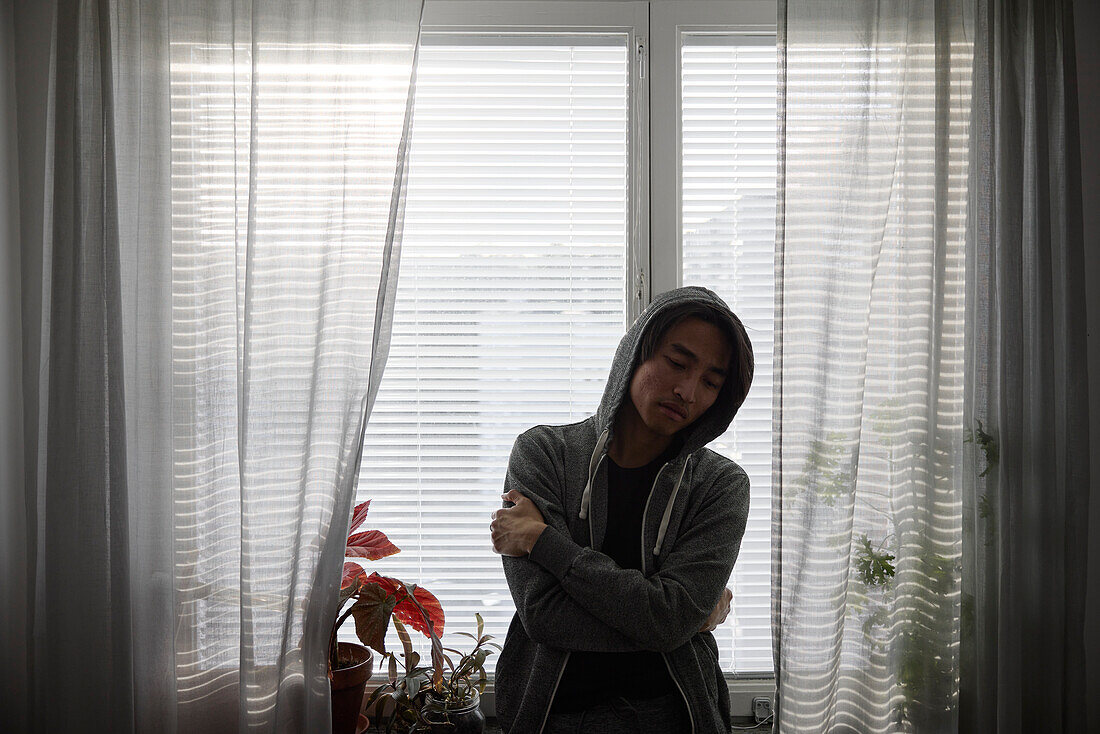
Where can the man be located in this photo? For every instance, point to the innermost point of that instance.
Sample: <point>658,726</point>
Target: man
<point>619,534</point>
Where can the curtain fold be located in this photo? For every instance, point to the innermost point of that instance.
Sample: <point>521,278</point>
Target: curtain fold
<point>931,451</point>
<point>13,539</point>
<point>1026,497</point>
<point>225,183</point>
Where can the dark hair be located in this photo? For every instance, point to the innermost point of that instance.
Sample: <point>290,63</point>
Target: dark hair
<point>736,385</point>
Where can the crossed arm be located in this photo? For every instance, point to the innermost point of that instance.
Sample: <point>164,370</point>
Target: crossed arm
<point>516,529</point>
<point>572,597</point>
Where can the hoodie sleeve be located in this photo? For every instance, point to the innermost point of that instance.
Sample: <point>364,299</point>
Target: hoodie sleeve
<point>549,615</point>
<point>665,610</point>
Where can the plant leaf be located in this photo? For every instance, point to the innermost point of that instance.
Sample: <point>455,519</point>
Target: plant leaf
<point>376,694</point>
<point>480,625</point>
<point>352,573</point>
<point>358,515</point>
<point>406,610</point>
<point>372,613</point>
<point>406,641</point>
<point>350,582</point>
<point>370,544</point>
<point>873,568</point>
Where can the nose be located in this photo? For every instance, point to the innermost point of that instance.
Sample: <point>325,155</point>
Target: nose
<point>685,389</point>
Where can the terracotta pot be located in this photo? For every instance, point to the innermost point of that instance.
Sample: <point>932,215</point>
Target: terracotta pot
<point>348,685</point>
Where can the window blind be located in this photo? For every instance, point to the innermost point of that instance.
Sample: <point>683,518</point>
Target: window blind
<point>511,295</point>
<point>728,153</point>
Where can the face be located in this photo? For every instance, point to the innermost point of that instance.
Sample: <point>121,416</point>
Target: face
<point>676,385</point>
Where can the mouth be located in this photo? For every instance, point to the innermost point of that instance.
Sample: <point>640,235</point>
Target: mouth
<point>673,411</point>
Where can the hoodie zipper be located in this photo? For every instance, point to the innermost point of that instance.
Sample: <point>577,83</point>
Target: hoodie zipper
<point>671,672</point>
<point>591,537</point>
<point>554,691</point>
<point>561,671</point>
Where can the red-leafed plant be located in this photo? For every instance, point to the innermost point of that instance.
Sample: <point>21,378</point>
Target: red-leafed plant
<point>375,598</point>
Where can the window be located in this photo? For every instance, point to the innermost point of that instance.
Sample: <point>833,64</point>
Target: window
<point>527,249</point>
<point>727,204</point>
<point>511,293</point>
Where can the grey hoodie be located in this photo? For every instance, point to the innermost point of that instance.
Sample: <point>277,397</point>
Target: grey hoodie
<point>569,596</point>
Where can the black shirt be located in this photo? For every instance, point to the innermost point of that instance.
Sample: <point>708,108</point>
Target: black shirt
<point>593,677</point>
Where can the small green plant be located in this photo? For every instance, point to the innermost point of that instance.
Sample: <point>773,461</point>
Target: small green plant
<point>828,469</point>
<point>989,447</point>
<point>987,444</point>
<point>874,567</point>
<point>409,690</point>
<point>460,684</point>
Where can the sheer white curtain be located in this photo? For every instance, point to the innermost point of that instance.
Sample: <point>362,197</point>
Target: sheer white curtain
<point>869,454</point>
<point>225,186</point>
<point>931,461</point>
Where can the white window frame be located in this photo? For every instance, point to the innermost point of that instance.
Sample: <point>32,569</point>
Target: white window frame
<point>630,17</point>
<point>670,21</point>
<point>655,30</point>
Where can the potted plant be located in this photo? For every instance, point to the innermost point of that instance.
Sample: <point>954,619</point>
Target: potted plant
<point>375,599</point>
<point>442,697</point>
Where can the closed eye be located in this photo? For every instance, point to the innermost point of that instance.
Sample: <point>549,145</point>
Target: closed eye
<point>675,364</point>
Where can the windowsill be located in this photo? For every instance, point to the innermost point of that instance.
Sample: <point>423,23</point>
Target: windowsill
<point>492,727</point>
<point>742,689</point>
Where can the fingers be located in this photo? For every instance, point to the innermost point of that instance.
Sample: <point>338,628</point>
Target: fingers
<point>499,534</point>
<point>514,496</point>
<point>497,537</point>
<point>719,613</point>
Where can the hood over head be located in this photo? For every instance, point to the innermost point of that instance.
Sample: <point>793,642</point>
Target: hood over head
<point>716,420</point>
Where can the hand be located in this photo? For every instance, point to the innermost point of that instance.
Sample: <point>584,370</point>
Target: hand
<point>720,612</point>
<point>515,529</point>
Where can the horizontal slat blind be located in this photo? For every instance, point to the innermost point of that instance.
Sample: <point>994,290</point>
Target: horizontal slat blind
<point>511,297</point>
<point>728,123</point>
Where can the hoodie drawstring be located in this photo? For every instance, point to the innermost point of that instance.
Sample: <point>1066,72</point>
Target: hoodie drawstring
<point>593,465</point>
<point>668,510</point>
